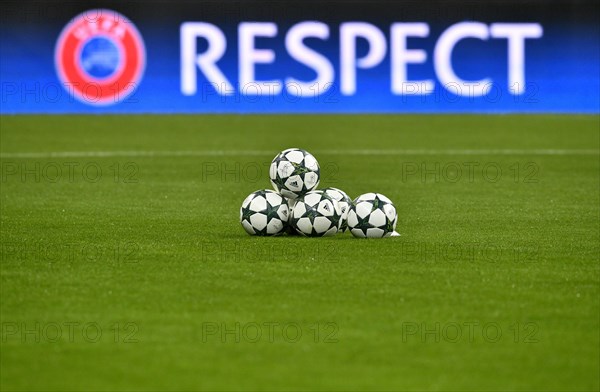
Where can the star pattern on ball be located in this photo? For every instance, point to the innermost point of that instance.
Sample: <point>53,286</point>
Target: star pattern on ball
<point>272,212</point>
<point>263,215</point>
<point>247,212</point>
<point>373,215</point>
<point>316,217</point>
<point>378,203</point>
<point>299,168</point>
<point>295,207</point>
<point>344,202</point>
<point>389,225</point>
<point>363,223</point>
<point>294,172</point>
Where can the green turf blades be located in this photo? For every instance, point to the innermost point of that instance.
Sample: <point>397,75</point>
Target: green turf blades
<point>158,244</point>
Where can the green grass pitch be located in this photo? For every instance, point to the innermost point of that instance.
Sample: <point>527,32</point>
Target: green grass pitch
<point>124,266</point>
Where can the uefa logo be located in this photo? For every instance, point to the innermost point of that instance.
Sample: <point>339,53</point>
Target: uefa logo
<point>100,57</point>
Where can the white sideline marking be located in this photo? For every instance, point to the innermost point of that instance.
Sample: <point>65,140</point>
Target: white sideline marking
<point>228,153</point>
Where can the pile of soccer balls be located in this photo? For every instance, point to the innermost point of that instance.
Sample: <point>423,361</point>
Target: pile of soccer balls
<point>296,207</point>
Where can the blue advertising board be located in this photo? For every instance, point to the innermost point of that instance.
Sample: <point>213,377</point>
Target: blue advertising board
<point>318,57</point>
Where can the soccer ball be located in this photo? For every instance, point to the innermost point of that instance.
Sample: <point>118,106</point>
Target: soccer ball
<point>344,202</point>
<point>294,172</point>
<point>372,215</point>
<point>264,213</point>
<point>316,215</point>
<point>289,229</point>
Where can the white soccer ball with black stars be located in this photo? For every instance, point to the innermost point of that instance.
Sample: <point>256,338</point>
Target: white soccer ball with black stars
<point>372,215</point>
<point>344,201</point>
<point>316,214</point>
<point>264,212</point>
<point>294,172</point>
<point>289,229</point>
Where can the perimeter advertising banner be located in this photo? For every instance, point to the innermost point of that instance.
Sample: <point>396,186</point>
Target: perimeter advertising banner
<point>300,57</point>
